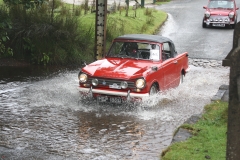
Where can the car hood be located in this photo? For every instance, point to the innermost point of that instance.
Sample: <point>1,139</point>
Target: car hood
<point>220,12</point>
<point>118,68</point>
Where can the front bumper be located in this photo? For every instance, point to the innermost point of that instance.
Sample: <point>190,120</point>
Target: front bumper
<point>128,95</point>
<point>218,21</point>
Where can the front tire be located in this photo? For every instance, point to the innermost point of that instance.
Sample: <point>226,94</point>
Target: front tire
<point>203,24</point>
<point>233,25</point>
<point>153,90</point>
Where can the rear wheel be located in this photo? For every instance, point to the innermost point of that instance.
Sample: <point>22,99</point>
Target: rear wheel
<point>153,90</point>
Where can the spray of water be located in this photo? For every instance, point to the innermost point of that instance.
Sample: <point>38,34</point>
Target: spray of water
<point>47,115</point>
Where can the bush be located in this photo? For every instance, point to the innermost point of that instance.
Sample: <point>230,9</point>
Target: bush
<point>41,38</point>
<point>5,24</point>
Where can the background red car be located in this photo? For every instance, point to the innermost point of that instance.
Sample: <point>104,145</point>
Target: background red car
<point>220,13</point>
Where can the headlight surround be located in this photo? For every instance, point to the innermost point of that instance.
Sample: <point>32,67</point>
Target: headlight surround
<point>207,14</point>
<point>83,78</point>
<point>124,84</point>
<point>140,83</point>
<point>94,82</point>
<point>231,15</point>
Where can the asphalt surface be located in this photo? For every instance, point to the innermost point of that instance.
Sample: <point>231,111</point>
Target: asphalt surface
<point>184,27</point>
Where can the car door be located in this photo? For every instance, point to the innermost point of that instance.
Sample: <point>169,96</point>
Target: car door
<point>156,65</point>
<point>170,66</point>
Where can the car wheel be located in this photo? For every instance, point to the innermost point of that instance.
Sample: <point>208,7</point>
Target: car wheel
<point>203,25</point>
<point>233,25</point>
<point>153,90</point>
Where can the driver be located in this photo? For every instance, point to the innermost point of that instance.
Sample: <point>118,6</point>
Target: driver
<point>132,49</point>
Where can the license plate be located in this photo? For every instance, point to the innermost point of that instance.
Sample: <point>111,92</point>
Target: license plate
<point>115,100</point>
<point>109,99</point>
<point>115,86</point>
<point>218,24</point>
<point>102,98</point>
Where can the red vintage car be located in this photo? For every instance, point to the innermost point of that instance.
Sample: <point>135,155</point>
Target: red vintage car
<point>220,13</point>
<point>136,66</point>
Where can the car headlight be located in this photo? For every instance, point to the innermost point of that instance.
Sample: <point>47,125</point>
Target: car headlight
<point>140,83</point>
<point>207,14</point>
<point>83,78</point>
<point>124,84</point>
<point>231,15</point>
<point>95,82</point>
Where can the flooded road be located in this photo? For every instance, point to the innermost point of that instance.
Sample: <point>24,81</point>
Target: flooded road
<point>41,117</point>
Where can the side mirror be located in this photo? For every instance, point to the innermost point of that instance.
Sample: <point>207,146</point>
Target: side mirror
<point>237,8</point>
<point>204,7</point>
<point>154,68</point>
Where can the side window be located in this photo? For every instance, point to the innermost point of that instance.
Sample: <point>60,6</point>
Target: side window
<point>166,51</point>
<point>166,47</point>
<point>115,49</point>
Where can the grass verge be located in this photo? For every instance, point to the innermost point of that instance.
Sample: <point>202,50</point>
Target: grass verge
<point>143,20</point>
<point>209,136</point>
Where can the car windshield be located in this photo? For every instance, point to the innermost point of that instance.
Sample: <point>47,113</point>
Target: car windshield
<point>139,50</point>
<point>221,4</point>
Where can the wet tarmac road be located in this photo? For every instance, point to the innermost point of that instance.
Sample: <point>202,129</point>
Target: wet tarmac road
<point>40,117</point>
<point>184,27</point>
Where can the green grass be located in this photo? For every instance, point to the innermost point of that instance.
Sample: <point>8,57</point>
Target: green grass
<point>146,21</point>
<point>142,20</point>
<point>131,23</point>
<point>209,140</point>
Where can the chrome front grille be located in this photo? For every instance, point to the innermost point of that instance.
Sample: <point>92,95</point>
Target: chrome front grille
<point>219,19</point>
<point>107,82</point>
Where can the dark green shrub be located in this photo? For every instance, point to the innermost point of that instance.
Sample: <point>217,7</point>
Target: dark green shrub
<point>78,11</point>
<point>41,38</point>
<point>5,25</point>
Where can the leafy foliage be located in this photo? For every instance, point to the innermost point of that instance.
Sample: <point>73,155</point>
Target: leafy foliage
<point>41,37</point>
<point>5,24</point>
<point>26,3</point>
